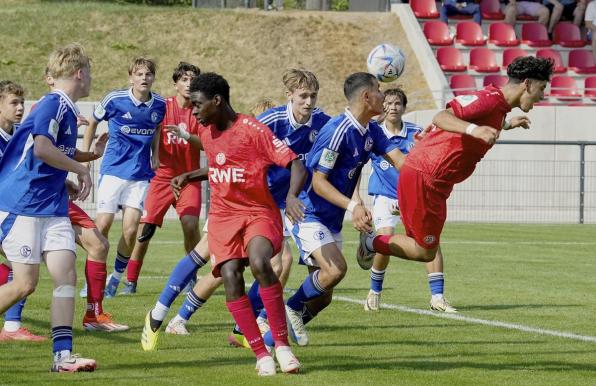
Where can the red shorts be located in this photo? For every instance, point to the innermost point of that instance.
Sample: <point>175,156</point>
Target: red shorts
<point>228,237</point>
<point>423,206</point>
<point>160,197</point>
<point>78,217</point>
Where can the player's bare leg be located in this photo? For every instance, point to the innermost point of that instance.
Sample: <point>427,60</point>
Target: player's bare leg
<point>97,248</point>
<point>25,278</point>
<point>61,267</point>
<point>130,223</point>
<point>398,245</point>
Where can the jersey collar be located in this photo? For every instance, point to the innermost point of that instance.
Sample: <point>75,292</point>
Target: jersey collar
<point>5,135</point>
<point>67,99</point>
<point>295,125</point>
<point>361,129</point>
<point>138,102</point>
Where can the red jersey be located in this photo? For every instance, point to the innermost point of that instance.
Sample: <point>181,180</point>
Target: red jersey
<point>176,156</point>
<point>238,160</point>
<point>452,157</point>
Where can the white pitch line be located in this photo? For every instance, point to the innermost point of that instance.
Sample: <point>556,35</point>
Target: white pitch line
<point>463,242</point>
<point>491,323</point>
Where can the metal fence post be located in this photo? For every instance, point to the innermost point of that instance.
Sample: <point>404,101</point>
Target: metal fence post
<point>582,178</point>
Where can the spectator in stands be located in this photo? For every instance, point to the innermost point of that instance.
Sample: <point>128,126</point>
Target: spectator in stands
<point>590,20</point>
<point>461,7</point>
<point>571,10</point>
<point>533,8</point>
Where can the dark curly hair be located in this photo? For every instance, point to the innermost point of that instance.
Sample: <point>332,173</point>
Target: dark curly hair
<point>183,68</point>
<point>211,84</point>
<point>529,67</point>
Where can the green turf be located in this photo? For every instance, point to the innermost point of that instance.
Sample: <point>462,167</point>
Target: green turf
<point>537,276</point>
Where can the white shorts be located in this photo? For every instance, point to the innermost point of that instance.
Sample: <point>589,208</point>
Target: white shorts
<point>205,227</point>
<point>286,229</point>
<point>383,207</point>
<point>310,236</point>
<point>114,192</point>
<point>24,239</point>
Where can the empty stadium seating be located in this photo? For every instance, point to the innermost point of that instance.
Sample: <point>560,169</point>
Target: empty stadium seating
<point>483,60</point>
<point>450,59</point>
<point>462,84</point>
<point>535,35</point>
<point>437,33</point>
<point>469,33</point>
<point>582,62</point>
<point>502,35</point>
<point>555,55</point>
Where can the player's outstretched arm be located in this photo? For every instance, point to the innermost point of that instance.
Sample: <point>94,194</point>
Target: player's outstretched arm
<point>89,134</point>
<point>446,120</point>
<point>194,140</point>
<point>96,153</point>
<point>521,121</point>
<point>361,217</point>
<point>395,157</point>
<point>295,207</point>
<point>44,149</point>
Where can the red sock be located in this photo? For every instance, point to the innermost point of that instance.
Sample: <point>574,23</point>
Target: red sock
<point>273,301</point>
<point>4,271</point>
<point>241,310</point>
<point>381,244</point>
<point>133,270</point>
<point>95,273</point>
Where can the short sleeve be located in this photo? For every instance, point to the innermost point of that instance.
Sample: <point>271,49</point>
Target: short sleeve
<point>274,149</point>
<point>103,110</point>
<point>473,106</point>
<point>328,146</point>
<point>381,144</point>
<point>47,118</point>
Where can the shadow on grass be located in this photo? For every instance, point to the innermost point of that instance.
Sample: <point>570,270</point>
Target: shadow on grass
<point>474,307</point>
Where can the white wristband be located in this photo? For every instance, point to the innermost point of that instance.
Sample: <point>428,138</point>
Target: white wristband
<point>185,135</point>
<point>351,205</point>
<point>470,128</point>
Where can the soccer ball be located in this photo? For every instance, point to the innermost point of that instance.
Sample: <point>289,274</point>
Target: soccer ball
<point>386,62</point>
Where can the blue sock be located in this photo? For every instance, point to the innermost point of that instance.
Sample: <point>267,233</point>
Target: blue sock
<point>62,338</point>
<point>13,314</point>
<point>309,289</point>
<point>120,264</point>
<point>376,280</point>
<point>191,305</point>
<point>307,316</point>
<point>184,271</point>
<point>255,298</point>
<point>436,282</point>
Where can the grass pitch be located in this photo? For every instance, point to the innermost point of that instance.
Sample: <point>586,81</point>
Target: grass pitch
<point>527,275</point>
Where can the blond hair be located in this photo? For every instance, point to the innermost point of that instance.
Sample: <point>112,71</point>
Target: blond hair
<point>294,79</point>
<point>65,61</point>
<point>261,106</point>
<point>142,61</point>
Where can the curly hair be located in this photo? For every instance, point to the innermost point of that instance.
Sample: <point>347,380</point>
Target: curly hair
<point>529,67</point>
<point>211,84</point>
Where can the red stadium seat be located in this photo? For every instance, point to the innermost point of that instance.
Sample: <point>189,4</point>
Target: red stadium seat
<point>491,10</point>
<point>469,33</point>
<point>437,33</point>
<point>510,54</point>
<point>535,35</point>
<point>502,35</point>
<point>497,80</point>
<point>556,56</point>
<point>567,34</point>
<point>590,87</point>
<point>450,59</point>
<point>483,60</point>
<point>582,62</point>
<point>564,88</point>
<point>462,84</point>
<point>424,9</point>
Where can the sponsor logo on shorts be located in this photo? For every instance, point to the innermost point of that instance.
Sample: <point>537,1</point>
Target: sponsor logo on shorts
<point>154,116</point>
<point>319,235</point>
<point>25,251</point>
<point>352,172</point>
<point>368,144</point>
<point>429,239</point>
<point>220,158</point>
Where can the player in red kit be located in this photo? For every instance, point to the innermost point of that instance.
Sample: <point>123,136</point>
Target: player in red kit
<point>244,222</point>
<point>448,154</point>
<point>176,157</point>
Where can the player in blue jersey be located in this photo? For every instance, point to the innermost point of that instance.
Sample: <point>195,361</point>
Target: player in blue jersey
<point>34,220</point>
<point>12,103</point>
<point>343,146</point>
<point>382,185</point>
<point>134,116</point>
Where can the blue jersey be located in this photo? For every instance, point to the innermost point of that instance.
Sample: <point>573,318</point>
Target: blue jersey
<point>4,138</point>
<point>341,149</point>
<point>132,125</point>
<point>299,137</point>
<point>29,186</point>
<point>384,177</point>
